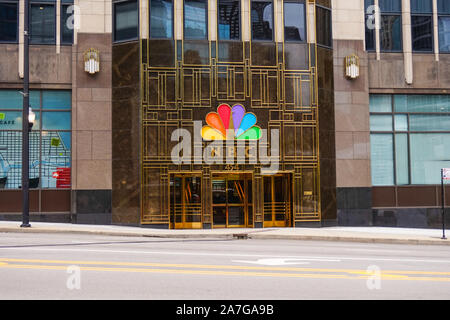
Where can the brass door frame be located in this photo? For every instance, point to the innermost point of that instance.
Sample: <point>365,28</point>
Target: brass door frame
<point>275,207</point>
<point>184,210</point>
<point>247,177</point>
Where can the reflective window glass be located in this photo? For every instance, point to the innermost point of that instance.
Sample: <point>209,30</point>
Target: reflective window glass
<point>126,20</point>
<point>422,33</point>
<point>381,123</point>
<point>10,120</point>
<point>422,103</point>
<point>56,99</point>
<point>294,21</point>
<point>55,159</point>
<point>382,159</point>
<point>161,19</point>
<point>8,22</point>
<point>368,3</point>
<point>380,103</point>
<point>429,122</point>
<point>401,122</point>
<point>370,35</point>
<point>430,152</point>
<point>391,33</point>
<point>422,6</point>
<point>390,6</point>
<point>67,23</point>
<point>401,159</point>
<point>422,138</point>
<point>56,121</point>
<point>262,20</point>
<point>444,34</point>
<point>443,6</point>
<point>49,150</point>
<point>11,99</point>
<point>42,23</point>
<point>229,20</point>
<point>195,19</point>
<point>323,27</point>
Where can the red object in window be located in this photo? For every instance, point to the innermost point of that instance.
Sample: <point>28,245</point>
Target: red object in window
<point>62,176</point>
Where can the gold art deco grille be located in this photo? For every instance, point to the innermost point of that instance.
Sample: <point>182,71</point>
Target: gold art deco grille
<point>173,97</point>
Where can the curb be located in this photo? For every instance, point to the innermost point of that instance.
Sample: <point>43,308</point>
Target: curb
<point>352,239</point>
<point>236,236</point>
<point>118,233</point>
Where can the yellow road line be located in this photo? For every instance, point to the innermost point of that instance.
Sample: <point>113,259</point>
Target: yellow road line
<point>230,267</point>
<point>348,274</point>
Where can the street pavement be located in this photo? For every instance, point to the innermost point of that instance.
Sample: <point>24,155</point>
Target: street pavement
<point>97,266</point>
<point>348,234</point>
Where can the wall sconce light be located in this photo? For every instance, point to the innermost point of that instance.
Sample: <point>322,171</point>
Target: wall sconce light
<point>352,66</point>
<point>92,61</point>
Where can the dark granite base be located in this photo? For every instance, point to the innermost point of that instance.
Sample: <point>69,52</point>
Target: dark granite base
<point>91,207</point>
<point>38,217</point>
<point>93,218</point>
<point>155,226</point>
<point>395,217</point>
<point>309,224</point>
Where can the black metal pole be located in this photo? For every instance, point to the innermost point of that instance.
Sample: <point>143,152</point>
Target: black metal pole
<point>25,125</point>
<point>443,204</point>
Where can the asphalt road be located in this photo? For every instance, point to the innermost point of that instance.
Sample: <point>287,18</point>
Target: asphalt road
<point>71,266</point>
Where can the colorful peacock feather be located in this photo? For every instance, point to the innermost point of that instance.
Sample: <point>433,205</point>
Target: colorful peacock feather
<point>230,124</point>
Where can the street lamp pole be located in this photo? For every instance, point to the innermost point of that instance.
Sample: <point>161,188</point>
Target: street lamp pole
<point>25,124</point>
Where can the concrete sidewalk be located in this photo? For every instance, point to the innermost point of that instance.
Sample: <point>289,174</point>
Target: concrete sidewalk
<point>351,234</point>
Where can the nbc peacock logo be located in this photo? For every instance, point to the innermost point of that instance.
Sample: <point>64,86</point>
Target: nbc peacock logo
<point>231,123</point>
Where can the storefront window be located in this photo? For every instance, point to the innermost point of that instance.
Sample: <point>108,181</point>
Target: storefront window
<point>50,139</point>
<point>410,138</point>
<point>382,159</point>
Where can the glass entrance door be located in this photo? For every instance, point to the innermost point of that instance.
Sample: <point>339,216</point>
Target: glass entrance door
<point>277,201</point>
<point>232,201</point>
<point>185,202</point>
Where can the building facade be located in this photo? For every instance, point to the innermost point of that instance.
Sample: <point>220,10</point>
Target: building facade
<point>228,113</point>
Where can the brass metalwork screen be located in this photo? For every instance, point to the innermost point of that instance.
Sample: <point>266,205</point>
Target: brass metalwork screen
<point>182,81</point>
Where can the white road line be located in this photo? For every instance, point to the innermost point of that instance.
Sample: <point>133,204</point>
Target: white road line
<point>178,253</point>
